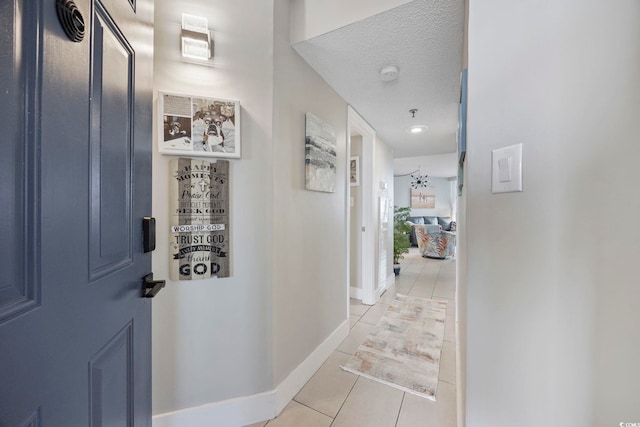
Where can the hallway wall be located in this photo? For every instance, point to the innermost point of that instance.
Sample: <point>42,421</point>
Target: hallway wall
<point>223,348</point>
<point>552,336</point>
<point>310,227</point>
<point>212,338</point>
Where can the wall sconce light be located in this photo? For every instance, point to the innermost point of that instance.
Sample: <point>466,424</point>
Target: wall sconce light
<point>195,37</point>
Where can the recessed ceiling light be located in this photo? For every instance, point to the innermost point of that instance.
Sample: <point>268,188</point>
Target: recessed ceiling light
<point>417,129</point>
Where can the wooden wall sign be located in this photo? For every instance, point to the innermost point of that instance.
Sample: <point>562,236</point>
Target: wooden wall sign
<point>199,219</point>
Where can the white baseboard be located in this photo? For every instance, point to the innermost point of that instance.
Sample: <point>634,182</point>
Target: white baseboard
<point>237,412</point>
<point>391,280</point>
<point>294,382</point>
<point>356,293</point>
<point>247,410</point>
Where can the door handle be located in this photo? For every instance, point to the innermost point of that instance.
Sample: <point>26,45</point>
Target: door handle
<point>150,287</point>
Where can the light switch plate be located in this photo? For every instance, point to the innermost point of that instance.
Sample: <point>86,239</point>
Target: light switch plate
<point>507,169</point>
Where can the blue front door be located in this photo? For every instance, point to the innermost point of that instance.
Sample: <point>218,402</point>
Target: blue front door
<point>75,183</point>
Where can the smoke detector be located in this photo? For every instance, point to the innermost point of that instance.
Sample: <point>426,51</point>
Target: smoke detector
<point>389,73</point>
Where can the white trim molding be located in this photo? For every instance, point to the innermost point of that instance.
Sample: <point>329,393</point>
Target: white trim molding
<point>389,282</point>
<point>356,125</point>
<point>252,409</point>
<point>241,411</point>
<point>355,293</point>
<point>294,382</point>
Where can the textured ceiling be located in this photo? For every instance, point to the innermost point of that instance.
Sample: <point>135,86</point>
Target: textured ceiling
<point>423,39</point>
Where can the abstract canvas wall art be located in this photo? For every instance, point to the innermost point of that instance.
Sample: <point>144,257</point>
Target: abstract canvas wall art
<point>320,155</point>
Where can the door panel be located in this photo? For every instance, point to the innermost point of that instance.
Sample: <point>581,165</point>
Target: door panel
<point>112,101</point>
<point>111,382</point>
<point>19,261</point>
<point>75,178</point>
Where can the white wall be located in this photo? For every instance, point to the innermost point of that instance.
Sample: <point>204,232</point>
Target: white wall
<point>229,344</point>
<point>310,18</point>
<point>442,190</point>
<point>212,338</point>
<point>552,295</point>
<point>221,339</point>
<point>310,228</point>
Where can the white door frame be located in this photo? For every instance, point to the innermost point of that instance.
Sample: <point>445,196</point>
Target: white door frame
<point>369,254</point>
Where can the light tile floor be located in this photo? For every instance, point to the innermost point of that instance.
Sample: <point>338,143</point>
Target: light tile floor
<point>335,398</point>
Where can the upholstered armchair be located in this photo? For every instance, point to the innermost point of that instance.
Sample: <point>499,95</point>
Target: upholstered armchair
<point>435,243</point>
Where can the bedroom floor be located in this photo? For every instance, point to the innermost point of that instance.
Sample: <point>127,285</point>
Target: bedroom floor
<point>335,398</point>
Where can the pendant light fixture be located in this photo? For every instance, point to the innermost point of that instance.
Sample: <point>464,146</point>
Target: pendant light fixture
<point>418,180</point>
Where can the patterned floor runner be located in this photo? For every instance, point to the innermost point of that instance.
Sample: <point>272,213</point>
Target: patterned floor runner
<point>404,348</point>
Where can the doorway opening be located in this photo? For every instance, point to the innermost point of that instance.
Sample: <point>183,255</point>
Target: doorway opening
<point>362,250</point>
